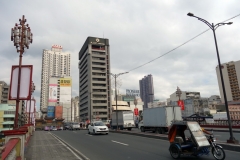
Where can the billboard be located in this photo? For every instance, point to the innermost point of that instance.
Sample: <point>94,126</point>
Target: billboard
<point>52,93</point>
<point>51,111</point>
<point>133,92</point>
<point>58,112</point>
<point>65,82</point>
<point>65,90</point>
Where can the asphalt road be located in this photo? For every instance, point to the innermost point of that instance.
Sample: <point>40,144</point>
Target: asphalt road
<point>221,136</point>
<point>123,147</point>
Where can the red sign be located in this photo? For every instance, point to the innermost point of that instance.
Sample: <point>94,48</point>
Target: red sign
<point>136,111</point>
<point>181,104</point>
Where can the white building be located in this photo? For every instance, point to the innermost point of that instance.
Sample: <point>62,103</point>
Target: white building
<point>231,77</point>
<point>184,95</point>
<point>54,63</point>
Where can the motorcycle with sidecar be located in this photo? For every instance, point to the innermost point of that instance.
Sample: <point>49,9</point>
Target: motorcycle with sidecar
<point>197,144</point>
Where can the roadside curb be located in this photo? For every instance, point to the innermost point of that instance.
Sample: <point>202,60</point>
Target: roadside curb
<point>230,147</point>
<point>221,130</point>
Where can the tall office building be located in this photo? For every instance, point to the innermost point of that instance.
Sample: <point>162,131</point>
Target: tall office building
<point>94,79</point>
<point>231,77</point>
<point>54,63</point>
<point>146,90</point>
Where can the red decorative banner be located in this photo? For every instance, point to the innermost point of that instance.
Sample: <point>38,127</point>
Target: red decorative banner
<point>181,104</point>
<point>136,111</point>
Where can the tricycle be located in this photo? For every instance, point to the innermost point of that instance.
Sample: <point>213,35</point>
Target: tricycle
<point>197,144</point>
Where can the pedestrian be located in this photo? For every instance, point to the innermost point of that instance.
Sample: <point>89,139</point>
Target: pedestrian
<point>136,123</point>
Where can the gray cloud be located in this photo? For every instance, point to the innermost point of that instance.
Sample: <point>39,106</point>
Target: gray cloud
<point>138,31</point>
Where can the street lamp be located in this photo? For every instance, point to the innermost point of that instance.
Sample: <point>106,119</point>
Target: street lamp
<point>22,37</point>
<point>213,28</point>
<point>32,90</point>
<point>115,77</point>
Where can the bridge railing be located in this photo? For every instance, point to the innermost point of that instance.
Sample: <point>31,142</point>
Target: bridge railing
<point>15,142</point>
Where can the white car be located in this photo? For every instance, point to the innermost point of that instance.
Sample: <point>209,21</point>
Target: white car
<point>97,127</point>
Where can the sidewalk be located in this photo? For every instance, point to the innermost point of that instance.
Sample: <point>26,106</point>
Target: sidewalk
<point>43,146</point>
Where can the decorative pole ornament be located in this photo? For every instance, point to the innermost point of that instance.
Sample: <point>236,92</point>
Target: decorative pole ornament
<point>22,37</point>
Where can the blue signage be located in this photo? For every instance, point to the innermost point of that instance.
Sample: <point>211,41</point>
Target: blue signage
<point>51,111</point>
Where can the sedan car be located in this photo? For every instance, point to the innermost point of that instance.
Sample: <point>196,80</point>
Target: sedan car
<point>54,128</point>
<point>46,128</point>
<point>97,127</point>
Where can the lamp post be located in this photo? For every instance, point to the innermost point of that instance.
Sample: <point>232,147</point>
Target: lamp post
<point>32,90</point>
<point>22,37</point>
<point>115,78</point>
<point>213,28</point>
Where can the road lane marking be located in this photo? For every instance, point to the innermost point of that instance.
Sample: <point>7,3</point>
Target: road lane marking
<point>119,143</point>
<point>88,135</point>
<point>71,147</point>
<point>74,132</point>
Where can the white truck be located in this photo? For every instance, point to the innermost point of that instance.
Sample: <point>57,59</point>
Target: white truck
<point>158,119</point>
<point>125,120</point>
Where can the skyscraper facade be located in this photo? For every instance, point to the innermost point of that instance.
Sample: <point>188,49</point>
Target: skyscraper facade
<point>231,77</point>
<point>55,63</point>
<point>94,79</point>
<point>146,90</point>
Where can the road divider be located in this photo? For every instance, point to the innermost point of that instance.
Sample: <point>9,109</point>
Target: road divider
<point>226,146</point>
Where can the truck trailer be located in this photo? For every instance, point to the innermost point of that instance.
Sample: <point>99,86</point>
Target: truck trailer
<point>125,120</point>
<point>158,119</point>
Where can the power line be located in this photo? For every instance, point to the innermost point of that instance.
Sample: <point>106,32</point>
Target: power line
<point>178,46</point>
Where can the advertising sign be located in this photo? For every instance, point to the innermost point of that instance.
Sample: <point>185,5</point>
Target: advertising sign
<point>65,82</point>
<point>181,104</point>
<point>52,93</point>
<point>133,92</point>
<point>50,111</point>
<point>65,90</point>
<point>25,82</point>
<point>58,112</point>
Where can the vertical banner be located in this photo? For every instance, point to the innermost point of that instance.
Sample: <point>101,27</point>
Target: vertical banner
<point>52,93</point>
<point>25,82</point>
<point>181,104</point>
<point>51,111</point>
<point>136,111</point>
<point>59,112</point>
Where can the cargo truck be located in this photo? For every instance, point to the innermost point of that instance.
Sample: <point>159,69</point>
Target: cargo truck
<point>125,120</point>
<point>158,119</point>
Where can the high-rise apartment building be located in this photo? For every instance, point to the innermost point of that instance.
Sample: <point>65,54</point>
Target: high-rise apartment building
<point>3,92</point>
<point>231,77</point>
<point>54,63</point>
<point>94,79</point>
<point>146,90</point>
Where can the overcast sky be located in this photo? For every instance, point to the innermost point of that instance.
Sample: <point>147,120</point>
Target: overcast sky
<point>138,31</point>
